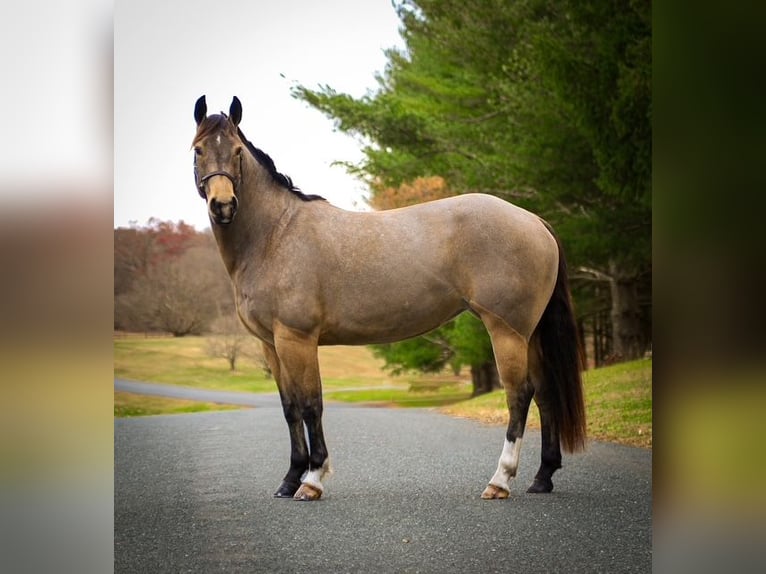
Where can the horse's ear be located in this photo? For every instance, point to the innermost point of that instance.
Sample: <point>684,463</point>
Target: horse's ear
<point>200,110</point>
<point>235,111</point>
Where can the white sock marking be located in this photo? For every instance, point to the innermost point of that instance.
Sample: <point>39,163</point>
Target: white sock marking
<point>507,465</point>
<point>314,477</point>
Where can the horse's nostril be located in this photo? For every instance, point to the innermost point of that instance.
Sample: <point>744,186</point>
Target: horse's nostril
<point>217,205</point>
<point>223,211</point>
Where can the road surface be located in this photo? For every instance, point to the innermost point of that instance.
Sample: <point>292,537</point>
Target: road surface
<point>193,494</point>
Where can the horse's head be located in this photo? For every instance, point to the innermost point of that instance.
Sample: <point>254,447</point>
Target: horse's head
<point>218,159</point>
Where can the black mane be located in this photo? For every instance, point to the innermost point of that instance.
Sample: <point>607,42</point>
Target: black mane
<point>284,180</point>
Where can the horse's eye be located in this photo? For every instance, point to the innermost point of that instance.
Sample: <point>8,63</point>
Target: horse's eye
<point>197,150</point>
<point>238,151</point>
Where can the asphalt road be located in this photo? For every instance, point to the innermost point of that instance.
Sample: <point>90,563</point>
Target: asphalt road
<point>193,494</point>
<point>192,394</point>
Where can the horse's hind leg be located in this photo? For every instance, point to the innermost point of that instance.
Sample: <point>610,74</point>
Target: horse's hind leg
<point>551,444</point>
<point>511,355</point>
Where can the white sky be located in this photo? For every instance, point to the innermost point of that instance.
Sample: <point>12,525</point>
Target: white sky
<point>168,53</point>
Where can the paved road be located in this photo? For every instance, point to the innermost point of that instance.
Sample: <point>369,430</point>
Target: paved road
<point>189,393</point>
<point>193,494</point>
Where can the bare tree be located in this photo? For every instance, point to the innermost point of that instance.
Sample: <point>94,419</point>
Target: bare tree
<point>230,340</point>
<point>181,296</point>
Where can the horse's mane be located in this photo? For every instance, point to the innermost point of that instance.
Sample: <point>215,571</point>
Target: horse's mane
<point>284,180</point>
<point>219,122</point>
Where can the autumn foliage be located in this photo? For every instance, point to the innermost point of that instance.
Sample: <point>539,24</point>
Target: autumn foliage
<point>420,190</point>
<point>168,277</point>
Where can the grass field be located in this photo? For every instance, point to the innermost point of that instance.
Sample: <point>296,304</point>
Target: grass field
<point>618,404</point>
<point>130,405</point>
<point>441,394</point>
<point>618,398</point>
<point>183,361</point>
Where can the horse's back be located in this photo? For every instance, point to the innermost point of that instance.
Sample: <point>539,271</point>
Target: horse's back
<point>475,232</point>
<point>421,265</point>
<point>473,215</point>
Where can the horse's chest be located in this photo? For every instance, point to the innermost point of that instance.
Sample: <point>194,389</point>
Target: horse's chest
<point>255,315</point>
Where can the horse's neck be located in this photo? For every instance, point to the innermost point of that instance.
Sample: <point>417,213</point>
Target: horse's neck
<point>263,207</point>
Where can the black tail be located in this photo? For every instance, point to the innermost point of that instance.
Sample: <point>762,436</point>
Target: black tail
<point>563,361</point>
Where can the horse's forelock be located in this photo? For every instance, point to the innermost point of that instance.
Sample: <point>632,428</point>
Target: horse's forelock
<point>212,124</point>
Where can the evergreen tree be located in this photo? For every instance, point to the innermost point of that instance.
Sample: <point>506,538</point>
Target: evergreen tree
<point>543,103</point>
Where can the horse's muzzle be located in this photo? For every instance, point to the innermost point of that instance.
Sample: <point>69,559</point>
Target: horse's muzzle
<point>222,212</point>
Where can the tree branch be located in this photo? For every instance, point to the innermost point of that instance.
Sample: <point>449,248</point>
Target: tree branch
<point>590,274</point>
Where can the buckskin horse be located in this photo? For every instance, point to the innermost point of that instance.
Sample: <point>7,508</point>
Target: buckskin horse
<point>306,273</point>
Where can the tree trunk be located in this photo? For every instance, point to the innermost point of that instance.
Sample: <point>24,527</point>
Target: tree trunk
<point>627,334</point>
<point>485,378</point>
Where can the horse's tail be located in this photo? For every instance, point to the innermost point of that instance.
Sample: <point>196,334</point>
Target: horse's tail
<point>562,361</point>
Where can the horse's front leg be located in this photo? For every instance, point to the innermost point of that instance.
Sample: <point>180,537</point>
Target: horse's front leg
<point>299,454</point>
<point>302,389</point>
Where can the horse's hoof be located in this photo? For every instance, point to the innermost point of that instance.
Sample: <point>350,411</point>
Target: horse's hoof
<point>286,490</point>
<point>493,492</point>
<point>307,492</point>
<point>540,486</point>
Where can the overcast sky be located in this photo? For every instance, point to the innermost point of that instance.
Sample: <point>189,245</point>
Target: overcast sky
<point>168,53</point>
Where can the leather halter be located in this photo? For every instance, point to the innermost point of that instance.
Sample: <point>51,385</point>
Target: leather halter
<point>201,181</point>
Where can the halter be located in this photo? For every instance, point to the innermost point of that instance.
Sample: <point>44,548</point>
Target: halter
<point>200,181</point>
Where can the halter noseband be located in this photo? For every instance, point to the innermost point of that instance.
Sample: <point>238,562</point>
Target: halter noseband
<point>202,180</point>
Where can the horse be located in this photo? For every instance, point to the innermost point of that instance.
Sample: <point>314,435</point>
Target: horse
<point>306,273</point>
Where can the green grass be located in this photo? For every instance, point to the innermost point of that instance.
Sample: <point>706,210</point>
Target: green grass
<point>183,361</point>
<point>618,403</point>
<point>403,397</point>
<point>131,405</point>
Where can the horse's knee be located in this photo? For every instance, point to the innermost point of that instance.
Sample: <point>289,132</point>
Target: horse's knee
<point>312,410</point>
<point>291,411</point>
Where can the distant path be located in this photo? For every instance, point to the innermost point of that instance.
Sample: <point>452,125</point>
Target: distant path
<point>223,397</point>
<point>205,395</point>
<point>193,494</point>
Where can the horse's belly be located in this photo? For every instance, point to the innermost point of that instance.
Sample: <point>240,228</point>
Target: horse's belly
<point>387,323</point>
